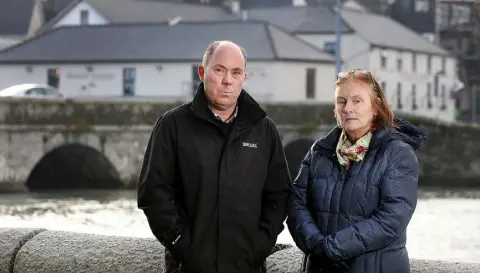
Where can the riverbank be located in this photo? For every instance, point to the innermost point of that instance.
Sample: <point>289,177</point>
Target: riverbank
<point>428,183</point>
<point>444,226</point>
<point>40,250</point>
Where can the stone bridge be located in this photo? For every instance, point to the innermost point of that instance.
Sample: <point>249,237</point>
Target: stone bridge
<point>33,130</point>
<point>112,135</point>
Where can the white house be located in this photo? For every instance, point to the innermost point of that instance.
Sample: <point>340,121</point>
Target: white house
<point>160,61</point>
<point>101,12</point>
<point>418,76</point>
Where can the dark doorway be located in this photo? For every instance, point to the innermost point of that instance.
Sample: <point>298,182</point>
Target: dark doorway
<point>53,77</point>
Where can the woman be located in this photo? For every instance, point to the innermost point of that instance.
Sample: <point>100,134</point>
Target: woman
<point>356,189</point>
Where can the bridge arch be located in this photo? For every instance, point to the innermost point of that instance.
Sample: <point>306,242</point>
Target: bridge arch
<point>295,151</point>
<point>73,166</point>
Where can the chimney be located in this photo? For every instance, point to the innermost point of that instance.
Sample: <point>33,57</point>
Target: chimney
<point>233,6</point>
<point>299,3</point>
<point>244,15</point>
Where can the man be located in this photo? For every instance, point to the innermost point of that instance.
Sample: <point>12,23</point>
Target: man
<point>214,183</point>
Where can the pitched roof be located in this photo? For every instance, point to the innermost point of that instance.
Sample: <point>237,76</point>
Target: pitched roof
<point>383,31</point>
<point>183,42</point>
<point>15,16</point>
<point>299,20</point>
<point>146,11</point>
<point>378,30</point>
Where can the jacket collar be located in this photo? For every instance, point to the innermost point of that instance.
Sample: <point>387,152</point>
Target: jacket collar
<point>249,111</point>
<point>405,132</point>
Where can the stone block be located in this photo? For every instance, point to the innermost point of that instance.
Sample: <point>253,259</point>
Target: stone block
<point>68,252</point>
<point>289,261</point>
<point>11,241</point>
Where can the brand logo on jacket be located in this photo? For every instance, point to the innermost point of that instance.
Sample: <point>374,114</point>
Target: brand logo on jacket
<point>250,145</point>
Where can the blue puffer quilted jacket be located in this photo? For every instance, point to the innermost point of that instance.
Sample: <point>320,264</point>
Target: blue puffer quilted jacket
<point>360,215</point>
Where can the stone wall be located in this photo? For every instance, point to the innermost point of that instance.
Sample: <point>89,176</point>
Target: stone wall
<point>449,157</point>
<point>39,250</point>
<point>20,111</point>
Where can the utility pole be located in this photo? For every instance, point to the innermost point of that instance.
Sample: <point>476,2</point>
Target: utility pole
<point>338,26</point>
<point>474,103</point>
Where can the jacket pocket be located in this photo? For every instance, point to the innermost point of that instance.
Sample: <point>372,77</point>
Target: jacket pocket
<point>263,247</point>
<point>181,248</point>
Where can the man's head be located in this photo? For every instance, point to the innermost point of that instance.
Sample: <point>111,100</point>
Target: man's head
<point>223,73</point>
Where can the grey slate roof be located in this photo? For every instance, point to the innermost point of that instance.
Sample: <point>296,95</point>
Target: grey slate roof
<point>160,43</point>
<point>383,31</point>
<point>146,11</point>
<point>299,20</point>
<point>15,16</point>
<point>378,30</point>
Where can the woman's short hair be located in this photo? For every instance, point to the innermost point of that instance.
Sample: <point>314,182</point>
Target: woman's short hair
<point>385,116</point>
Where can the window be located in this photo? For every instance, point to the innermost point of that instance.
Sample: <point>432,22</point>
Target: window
<point>399,63</point>
<point>429,63</point>
<point>414,62</point>
<point>414,97</point>
<point>84,17</point>
<point>460,15</point>
<point>330,47</point>
<point>422,5</point>
<point>429,95</point>
<point>310,85</point>
<point>444,97</point>
<point>383,60</point>
<point>399,96</point>
<point>129,81</point>
<point>444,63</point>
<point>443,15</point>
<point>35,92</point>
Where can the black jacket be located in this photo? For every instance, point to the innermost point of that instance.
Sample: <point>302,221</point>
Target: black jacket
<point>221,192</point>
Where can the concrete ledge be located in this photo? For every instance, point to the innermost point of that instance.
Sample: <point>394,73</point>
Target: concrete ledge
<point>11,241</point>
<point>38,250</point>
<point>288,261</point>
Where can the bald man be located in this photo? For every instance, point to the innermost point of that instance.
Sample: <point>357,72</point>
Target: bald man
<point>214,183</point>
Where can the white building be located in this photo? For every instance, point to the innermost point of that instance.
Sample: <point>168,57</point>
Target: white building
<point>101,12</point>
<point>160,61</point>
<point>418,76</point>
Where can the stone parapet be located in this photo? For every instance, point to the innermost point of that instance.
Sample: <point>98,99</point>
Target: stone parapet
<point>40,250</point>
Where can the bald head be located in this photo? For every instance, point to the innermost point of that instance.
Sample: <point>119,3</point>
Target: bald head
<point>217,45</point>
<point>223,74</point>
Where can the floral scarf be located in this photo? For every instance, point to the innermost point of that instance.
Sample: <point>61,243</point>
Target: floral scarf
<point>348,152</point>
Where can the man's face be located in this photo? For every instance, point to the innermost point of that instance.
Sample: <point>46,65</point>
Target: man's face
<point>224,75</point>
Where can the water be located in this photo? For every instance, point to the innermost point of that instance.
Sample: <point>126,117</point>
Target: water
<point>445,226</point>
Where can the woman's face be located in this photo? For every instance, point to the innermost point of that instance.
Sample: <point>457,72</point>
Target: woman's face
<point>353,108</point>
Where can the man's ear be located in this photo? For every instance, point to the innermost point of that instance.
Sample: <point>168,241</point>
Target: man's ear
<point>201,72</point>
